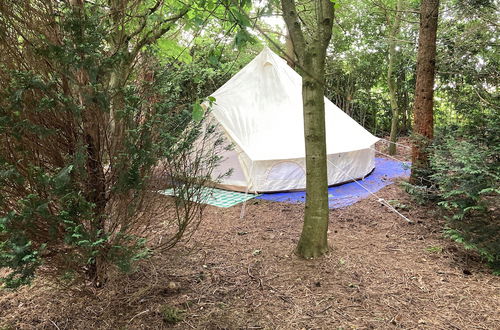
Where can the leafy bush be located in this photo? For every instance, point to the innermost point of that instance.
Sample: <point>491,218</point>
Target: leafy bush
<point>466,169</point>
<point>422,194</point>
<point>466,176</point>
<point>464,182</point>
<point>81,149</point>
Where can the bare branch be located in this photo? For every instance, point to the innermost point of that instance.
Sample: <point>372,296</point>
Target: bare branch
<point>150,37</point>
<point>294,26</point>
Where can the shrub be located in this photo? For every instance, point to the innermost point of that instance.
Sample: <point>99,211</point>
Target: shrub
<point>83,139</point>
<point>466,169</point>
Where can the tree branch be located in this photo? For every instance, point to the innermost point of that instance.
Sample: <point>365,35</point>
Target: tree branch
<point>151,38</point>
<point>294,27</point>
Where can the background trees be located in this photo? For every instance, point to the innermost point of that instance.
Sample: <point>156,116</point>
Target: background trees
<point>358,65</point>
<point>393,35</point>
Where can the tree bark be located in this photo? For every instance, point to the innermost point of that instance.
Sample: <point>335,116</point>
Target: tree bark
<point>93,115</point>
<point>403,101</point>
<point>290,52</point>
<point>311,54</point>
<point>313,240</point>
<point>95,190</point>
<point>423,122</point>
<point>391,79</point>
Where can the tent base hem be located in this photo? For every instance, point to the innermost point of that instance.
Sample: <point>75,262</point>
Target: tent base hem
<point>245,190</point>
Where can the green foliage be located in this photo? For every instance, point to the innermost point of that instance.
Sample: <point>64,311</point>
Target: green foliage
<point>194,81</point>
<point>398,205</point>
<point>19,255</point>
<point>84,135</point>
<point>357,67</point>
<point>466,166</point>
<point>434,249</point>
<point>468,63</point>
<point>172,315</point>
<point>489,252</point>
<point>465,173</point>
<point>169,50</point>
<point>422,194</point>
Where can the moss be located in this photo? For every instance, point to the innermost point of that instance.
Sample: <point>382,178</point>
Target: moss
<point>172,315</point>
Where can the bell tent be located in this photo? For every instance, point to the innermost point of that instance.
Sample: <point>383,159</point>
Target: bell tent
<point>259,110</point>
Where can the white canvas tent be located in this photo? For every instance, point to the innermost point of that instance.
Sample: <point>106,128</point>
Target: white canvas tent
<point>260,111</point>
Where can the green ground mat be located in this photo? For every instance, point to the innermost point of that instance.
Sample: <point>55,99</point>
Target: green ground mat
<point>215,197</point>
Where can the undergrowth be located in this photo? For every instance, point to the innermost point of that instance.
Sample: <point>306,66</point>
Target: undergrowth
<point>465,167</point>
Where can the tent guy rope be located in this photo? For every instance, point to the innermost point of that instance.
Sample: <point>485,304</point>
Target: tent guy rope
<point>398,144</point>
<point>389,156</point>
<point>403,161</point>
<point>379,199</point>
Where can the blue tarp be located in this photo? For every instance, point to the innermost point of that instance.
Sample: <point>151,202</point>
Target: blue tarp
<point>349,193</point>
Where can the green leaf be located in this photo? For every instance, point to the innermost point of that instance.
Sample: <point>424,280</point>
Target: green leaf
<point>63,178</point>
<point>198,112</point>
<point>213,60</point>
<point>241,18</point>
<point>169,49</point>
<point>242,37</point>
<point>336,4</point>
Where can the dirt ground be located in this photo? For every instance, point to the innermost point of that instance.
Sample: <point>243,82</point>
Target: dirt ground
<point>381,273</point>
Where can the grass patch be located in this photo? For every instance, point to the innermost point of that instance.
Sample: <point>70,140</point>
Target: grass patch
<point>172,315</point>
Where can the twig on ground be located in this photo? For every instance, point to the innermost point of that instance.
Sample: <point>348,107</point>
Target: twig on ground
<point>54,324</point>
<point>143,312</point>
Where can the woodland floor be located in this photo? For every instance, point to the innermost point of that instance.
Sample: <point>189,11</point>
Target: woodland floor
<point>381,273</point>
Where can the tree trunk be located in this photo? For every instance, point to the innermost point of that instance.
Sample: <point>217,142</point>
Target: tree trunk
<point>95,190</point>
<point>391,79</point>
<point>313,240</point>
<point>310,49</point>
<point>290,52</point>
<point>403,101</point>
<point>117,81</point>
<point>423,125</point>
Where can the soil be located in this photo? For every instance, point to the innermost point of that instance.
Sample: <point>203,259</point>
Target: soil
<point>381,273</point>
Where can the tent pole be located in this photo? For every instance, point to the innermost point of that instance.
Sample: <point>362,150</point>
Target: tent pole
<point>249,182</point>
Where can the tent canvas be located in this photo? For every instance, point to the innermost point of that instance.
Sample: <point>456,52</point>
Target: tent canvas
<point>259,110</point>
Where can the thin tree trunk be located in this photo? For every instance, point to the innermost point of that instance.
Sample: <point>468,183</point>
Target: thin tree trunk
<point>374,116</point>
<point>290,52</point>
<point>423,122</point>
<point>310,50</point>
<point>391,79</point>
<point>403,100</point>
<point>95,189</point>
<point>118,77</point>
<point>313,240</point>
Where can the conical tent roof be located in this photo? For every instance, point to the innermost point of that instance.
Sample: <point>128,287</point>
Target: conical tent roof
<point>260,111</point>
<point>260,108</point>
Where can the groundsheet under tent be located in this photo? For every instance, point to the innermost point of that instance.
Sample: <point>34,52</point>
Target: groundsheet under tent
<point>215,197</point>
<point>349,193</point>
<point>339,196</point>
